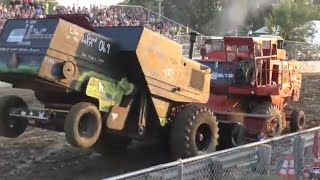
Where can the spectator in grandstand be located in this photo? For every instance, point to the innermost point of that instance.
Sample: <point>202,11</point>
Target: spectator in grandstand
<point>111,16</point>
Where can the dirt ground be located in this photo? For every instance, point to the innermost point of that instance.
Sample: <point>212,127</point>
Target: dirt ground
<point>41,154</point>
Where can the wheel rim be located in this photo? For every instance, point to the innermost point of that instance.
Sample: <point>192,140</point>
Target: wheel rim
<point>12,122</point>
<point>301,122</point>
<point>273,127</point>
<point>203,137</point>
<point>87,125</point>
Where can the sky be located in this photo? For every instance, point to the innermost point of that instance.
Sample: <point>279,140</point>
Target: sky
<point>316,39</point>
<point>87,3</point>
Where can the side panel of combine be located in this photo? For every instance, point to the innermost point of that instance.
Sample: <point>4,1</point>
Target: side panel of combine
<point>23,45</point>
<point>169,76</point>
<point>168,73</point>
<point>64,55</point>
<point>74,40</point>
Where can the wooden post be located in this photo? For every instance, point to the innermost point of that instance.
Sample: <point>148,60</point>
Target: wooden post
<point>298,151</point>
<point>264,158</point>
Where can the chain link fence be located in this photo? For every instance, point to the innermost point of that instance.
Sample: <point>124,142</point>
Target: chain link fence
<point>302,51</point>
<point>282,157</point>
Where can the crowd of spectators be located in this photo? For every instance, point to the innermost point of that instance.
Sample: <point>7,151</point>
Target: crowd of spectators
<point>125,16</point>
<point>17,11</point>
<point>99,16</point>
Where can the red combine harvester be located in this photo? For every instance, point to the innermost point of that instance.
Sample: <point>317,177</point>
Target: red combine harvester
<point>252,82</point>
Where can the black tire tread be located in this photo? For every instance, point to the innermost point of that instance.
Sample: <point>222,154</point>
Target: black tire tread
<point>267,108</point>
<point>72,120</point>
<point>181,128</point>
<point>5,103</point>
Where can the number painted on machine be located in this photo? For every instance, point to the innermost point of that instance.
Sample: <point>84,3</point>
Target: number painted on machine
<point>103,47</point>
<point>169,72</point>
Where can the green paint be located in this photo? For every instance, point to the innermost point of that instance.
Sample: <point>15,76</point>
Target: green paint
<point>163,121</point>
<point>109,93</point>
<point>85,76</point>
<point>25,69</point>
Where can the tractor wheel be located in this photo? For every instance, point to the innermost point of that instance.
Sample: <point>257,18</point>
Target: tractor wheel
<point>109,144</point>
<point>83,125</point>
<point>194,131</point>
<point>297,120</point>
<point>274,125</point>
<point>10,126</point>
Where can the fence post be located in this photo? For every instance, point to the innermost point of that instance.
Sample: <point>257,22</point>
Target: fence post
<point>217,165</point>
<point>180,170</point>
<point>264,159</point>
<point>298,152</point>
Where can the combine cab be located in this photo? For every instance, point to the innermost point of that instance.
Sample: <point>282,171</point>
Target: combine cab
<point>251,83</point>
<point>104,87</point>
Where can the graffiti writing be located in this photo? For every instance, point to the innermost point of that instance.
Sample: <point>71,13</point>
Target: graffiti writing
<point>73,34</point>
<point>88,40</point>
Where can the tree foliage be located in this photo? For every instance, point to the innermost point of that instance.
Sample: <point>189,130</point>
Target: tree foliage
<point>213,16</point>
<point>197,14</point>
<point>316,2</point>
<point>294,18</point>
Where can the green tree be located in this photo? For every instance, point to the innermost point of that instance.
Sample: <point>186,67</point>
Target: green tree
<point>242,15</point>
<point>294,19</point>
<point>197,14</point>
<point>316,2</point>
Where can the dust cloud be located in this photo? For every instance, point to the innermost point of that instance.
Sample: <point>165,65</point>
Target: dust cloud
<point>235,13</point>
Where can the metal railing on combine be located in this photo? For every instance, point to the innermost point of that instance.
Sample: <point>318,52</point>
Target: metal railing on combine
<point>290,156</point>
<point>184,40</point>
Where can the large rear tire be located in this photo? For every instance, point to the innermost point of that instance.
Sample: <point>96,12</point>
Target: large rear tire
<point>83,125</point>
<point>194,132</point>
<point>275,124</point>
<point>10,126</point>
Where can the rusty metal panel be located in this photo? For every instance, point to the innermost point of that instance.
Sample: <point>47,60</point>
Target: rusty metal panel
<point>36,36</point>
<point>197,79</point>
<point>162,107</point>
<point>166,71</point>
<point>83,44</point>
<point>162,63</point>
<point>117,118</point>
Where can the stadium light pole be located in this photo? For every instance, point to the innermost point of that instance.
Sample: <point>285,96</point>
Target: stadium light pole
<point>159,10</point>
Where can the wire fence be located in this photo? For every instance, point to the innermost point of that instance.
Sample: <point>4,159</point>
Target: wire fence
<point>302,51</point>
<point>292,156</point>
